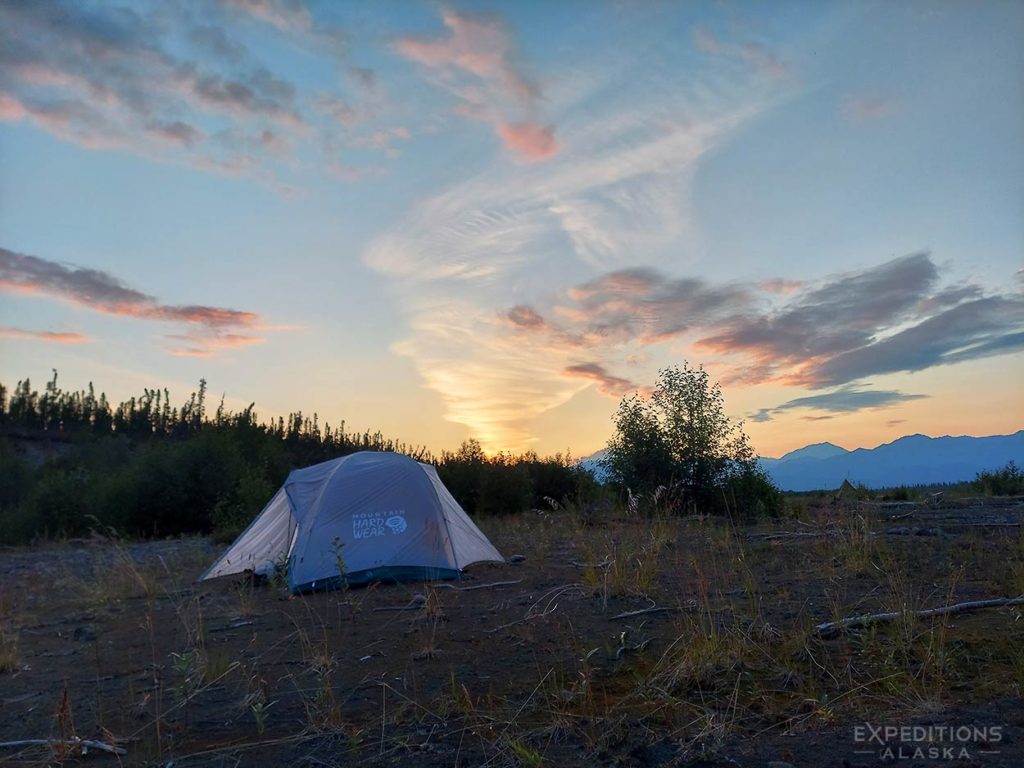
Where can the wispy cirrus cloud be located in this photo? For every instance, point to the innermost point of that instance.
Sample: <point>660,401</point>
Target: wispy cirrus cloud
<point>752,53</point>
<point>616,192</point>
<point>862,107</point>
<point>209,328</point>
<point>285,15</point>
<point>52,337</point>
<point>476,62</point>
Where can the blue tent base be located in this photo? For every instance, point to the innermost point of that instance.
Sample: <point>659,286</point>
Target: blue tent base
<point>399,574</point>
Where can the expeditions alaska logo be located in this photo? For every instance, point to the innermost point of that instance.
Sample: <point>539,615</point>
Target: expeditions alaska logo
<point>928,742</point>
<point>367,525</point>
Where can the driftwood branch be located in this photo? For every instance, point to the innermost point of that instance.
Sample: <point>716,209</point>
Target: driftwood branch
<point>603,564</point>
<point>788,535</point>
<point>478,586</point>
<point>631,614</point>
<point>417,603</point>
<point>833,628</point>
<point>75,744</point>
<point>410,607</point>
<point>528,617</point>
<point>894,531</point>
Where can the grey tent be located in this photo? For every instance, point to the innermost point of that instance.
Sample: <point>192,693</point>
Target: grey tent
<point>375,516</point>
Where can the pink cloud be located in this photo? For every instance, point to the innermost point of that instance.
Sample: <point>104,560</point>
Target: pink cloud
<point>209,328</point>
<point>476,63</point>
<point>523,316</point>
<point>285,15</point>
<point>477,44</point>
<point>207,344</point>
<point>780,286</point>
<point>756,55</point>
<point>10,108</point>
<point>534,142</point>
<point>53,337</point>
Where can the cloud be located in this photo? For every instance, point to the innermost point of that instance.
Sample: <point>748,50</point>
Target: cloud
<point>534,142</point>
<point>216,42</point>
<point>985,327</point>
<point>843,314</point>
<point>177,132</point>
<point>476,44</point>
<point>168,82</point>
<point>209,342</point>
<point>612,198</point>
<point>523,316</point>
<point>256,95</point>
<point>843,400</point>
<point>212,328</point>
<point>780,286</point>
<point>614,386</point>
<point>53,337</point>
<point>285,15</point>
<point>752,53</point>
<point>644,305</point>
<point>475,62</point>
<point>889,318</point>
<point>863,107</point>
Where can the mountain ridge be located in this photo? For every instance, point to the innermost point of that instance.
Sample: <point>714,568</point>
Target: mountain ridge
<point>914,459</point>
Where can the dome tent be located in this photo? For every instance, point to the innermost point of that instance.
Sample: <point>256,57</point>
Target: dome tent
<point>376,516</point>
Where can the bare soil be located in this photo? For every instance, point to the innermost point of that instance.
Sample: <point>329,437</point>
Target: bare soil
<point>115,642</point>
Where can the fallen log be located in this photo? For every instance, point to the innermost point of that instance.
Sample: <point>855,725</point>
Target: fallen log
<point>832,628</point>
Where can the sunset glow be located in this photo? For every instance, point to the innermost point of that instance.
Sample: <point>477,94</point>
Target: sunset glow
<point>493,220</point>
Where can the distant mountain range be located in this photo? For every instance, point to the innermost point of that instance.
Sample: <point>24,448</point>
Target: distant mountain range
<point>910,460</point>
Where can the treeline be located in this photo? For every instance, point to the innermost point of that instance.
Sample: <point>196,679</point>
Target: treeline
<point>146,467</point>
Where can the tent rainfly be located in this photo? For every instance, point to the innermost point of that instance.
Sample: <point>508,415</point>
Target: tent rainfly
<point>364,517</point>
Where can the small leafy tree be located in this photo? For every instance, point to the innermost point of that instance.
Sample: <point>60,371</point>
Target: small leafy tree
<point>680,440</point>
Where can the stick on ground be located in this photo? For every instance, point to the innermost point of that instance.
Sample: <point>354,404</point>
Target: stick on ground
<point>631,614</point>
<point>478,586</point>
<point>833,628</point>
<point>82,745</point>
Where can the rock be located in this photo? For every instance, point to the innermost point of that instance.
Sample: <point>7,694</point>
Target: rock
<point>780,764</point>
<point>85,633</point>
<point>517,558</point>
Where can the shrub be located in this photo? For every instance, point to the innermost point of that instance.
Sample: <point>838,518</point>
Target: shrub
<point>679,442</point>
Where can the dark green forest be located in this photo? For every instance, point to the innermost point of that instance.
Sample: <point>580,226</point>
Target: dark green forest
<point>72,462</point>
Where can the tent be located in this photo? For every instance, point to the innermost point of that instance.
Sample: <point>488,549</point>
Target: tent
<point>364,517</point>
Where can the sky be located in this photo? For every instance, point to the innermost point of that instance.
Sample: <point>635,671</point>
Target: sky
<point>494,220</point>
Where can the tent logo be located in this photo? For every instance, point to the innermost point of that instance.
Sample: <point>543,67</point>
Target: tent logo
<point>369,525</point>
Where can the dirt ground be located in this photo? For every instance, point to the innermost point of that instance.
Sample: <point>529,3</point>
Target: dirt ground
<point>532,663</point>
